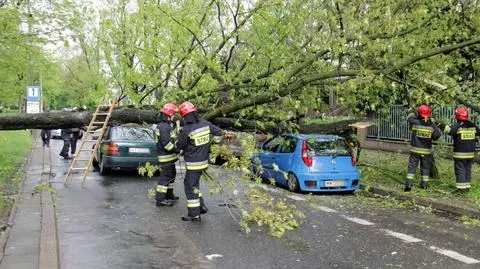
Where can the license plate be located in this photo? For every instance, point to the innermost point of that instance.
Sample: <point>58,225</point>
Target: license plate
<point>335,183</point>
<point>139,150</point>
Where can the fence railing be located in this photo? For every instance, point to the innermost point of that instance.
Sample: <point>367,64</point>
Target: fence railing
<point>391,124</point>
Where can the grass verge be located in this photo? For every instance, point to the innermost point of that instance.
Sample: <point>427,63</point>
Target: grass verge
<point>14,147</point>
<point>389,170</point>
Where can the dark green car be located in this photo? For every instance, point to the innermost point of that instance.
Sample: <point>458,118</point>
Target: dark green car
<point>126,147</point>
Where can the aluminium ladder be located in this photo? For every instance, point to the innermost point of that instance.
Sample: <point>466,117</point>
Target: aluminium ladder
<point>99,121</point>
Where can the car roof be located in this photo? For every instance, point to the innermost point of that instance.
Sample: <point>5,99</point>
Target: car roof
<point>319,136</point>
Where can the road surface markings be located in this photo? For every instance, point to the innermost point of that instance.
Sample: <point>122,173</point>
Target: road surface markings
<point>454,255</point>
<point>212,257</point>
<point>404,237</point>
<point>326,209</point>
<point>296,198</point>
<point>359,221</point>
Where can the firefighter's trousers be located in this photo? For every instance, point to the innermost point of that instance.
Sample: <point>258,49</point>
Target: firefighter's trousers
<point>425,166</point>
<point>463,173</point>
<point>166,181</point>
<point>192,191</point>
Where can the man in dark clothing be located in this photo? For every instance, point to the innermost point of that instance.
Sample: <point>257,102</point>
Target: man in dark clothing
<point>167,156</point>
<point>46,134</point>
<point>67,137</point>
<point>194,139</point>
<point>423,133</point>
<point>76,135</point>
<point>464,134</point>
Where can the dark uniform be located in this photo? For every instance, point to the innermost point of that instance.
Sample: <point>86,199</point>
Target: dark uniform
<point>464,134</point>
<point>423,133</point>
<point>194,139</point>
<point>167,157</point>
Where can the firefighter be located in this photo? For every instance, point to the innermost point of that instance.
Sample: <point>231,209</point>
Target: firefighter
<point>464,134</point>
<point>167,156</point>
<point>194,139</point>
<point>423,133</point>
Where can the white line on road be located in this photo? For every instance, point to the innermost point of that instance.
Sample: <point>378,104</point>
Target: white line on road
<point>454,255</point>
<point>214,256</point>
<point>404,237</point>
<point>296,198</point>
<point>359,221</point>
<point>326,209</point>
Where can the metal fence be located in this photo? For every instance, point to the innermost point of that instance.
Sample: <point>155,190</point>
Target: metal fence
<point>391,124</point>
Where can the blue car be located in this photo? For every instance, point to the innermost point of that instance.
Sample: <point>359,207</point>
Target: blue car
<point>310,163</point>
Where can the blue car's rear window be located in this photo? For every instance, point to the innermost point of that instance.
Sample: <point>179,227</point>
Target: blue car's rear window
<point>321,146</point>
<point>133,133</point>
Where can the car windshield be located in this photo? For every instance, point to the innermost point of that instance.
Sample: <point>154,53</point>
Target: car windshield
<point>133,133</point>
<point>327,146</point>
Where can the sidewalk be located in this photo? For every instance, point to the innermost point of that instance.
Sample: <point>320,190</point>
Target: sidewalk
<point>30,241</point>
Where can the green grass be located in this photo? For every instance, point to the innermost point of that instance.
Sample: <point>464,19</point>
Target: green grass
<point>14,147</point>
<point>389,169</point>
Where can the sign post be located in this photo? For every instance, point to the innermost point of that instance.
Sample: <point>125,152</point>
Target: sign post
<point>34,94</point>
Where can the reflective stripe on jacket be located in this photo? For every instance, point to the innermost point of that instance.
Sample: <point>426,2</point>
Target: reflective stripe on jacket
<point>165,144</point>
<point>423,133</point>
<point>195,139</point>
<point>464,134</point>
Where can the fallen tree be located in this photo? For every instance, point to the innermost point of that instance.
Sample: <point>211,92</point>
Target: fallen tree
<point>58,120</point>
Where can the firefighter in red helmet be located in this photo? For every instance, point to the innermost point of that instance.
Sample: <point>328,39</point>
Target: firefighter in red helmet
<point>167,156</point>
<point>464,134</point>
<point>194,139</point>
<point>423,133</point>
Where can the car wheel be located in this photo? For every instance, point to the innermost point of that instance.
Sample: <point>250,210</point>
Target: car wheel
<point>292,183</point>
<point>102,169</point>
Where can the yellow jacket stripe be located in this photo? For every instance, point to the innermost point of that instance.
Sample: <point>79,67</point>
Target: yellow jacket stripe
<point>169,146</point>
<point>420,150</point>
<point>167,158</point>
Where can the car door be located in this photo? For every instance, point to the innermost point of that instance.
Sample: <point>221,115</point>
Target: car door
<point>283,159</point>
<point>266,158</point>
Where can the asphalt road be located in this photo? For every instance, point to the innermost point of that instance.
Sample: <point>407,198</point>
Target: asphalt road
<point>110,223</point>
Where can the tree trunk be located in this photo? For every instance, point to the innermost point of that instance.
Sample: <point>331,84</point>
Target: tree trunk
<point>58,120</point>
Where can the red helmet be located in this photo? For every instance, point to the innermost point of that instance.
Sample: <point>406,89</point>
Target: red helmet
<point>461,113</point>
<point>185,108</point>
<point>424,111</point>
<point>169,109</point>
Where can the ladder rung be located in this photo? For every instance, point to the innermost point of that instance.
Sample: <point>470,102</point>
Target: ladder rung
<point>98,122</point>
<point>90,140</point>
<point>79,168</point>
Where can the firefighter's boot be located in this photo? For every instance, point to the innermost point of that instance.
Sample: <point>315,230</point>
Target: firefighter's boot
<point>203,207</point>
<point>190,218</point>
<point>170,196</point>
<point>408,185</point>
<point>164,203</point>
<point>424,184</point>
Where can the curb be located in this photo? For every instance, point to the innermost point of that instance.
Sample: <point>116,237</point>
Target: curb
<point>6,234</point>
<point>443,207</point>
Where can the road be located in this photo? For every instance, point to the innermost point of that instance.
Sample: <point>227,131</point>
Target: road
<point>110,223</point>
